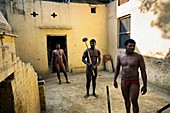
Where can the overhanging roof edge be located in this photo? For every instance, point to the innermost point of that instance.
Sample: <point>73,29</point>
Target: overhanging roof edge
<point>55,27</point>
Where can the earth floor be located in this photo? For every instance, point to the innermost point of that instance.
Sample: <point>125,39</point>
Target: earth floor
<point>69,98</point>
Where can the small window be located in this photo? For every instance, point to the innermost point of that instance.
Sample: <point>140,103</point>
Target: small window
<point>93,10</point>
<point>124,30</point>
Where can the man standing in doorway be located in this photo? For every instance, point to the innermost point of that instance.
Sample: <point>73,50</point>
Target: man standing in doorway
<point>92,63</point>
<point>57,57</point>
<point>130,86</point>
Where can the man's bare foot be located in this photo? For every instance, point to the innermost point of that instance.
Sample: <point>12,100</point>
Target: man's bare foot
<point>95,95</point>
<point>59,82</point>
<point>68,82</point>
<point>87,95</point>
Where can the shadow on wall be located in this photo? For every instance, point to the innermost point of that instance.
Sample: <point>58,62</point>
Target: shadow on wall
<point>160,8</point>
<point>3,8</point>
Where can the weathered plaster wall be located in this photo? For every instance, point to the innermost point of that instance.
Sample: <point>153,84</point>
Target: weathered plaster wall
<point>73,20</point>
<point>19,91</point>
<point>158,71</point>
<point>112,30</point>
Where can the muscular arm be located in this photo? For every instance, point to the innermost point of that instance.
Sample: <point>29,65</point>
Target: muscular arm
<point>143,74</point>
<point>117,69</point>
<point>84,56</point>
<point>64,56</point>
<point>52,57</point>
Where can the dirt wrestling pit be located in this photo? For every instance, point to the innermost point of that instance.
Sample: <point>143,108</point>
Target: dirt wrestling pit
<point>69,98</point>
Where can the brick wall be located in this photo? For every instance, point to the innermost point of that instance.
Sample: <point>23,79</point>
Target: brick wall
<point>25,90</point>
<point>19,92</point>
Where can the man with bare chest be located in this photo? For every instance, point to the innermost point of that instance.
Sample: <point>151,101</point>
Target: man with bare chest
<point>58,55</point>
<point>130,86</point>
<point>91,69</point>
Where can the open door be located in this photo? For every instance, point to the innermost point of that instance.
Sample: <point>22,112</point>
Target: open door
<point>51,43</point>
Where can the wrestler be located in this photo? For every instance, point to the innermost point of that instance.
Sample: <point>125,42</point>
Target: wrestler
<point>58,55</point>
<point>91,67</point>
<point>130,62</point>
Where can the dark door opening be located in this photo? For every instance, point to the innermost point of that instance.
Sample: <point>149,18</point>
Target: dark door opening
<point>51,43</point>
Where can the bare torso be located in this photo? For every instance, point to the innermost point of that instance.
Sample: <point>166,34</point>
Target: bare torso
<point>58,55</point>
<point>94,55</point>
<point>130,65</point>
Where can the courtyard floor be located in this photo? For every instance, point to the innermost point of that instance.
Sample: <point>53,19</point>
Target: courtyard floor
<point>69,98</point>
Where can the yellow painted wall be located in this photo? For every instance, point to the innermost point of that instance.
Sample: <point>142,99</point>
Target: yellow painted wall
<point>8,49</point>
<point>33,31</point>
<point>9,40</point>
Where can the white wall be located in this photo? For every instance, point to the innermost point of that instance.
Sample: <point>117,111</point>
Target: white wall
<point>146,29</point>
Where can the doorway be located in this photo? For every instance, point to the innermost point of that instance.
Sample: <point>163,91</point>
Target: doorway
<point>51,44</point>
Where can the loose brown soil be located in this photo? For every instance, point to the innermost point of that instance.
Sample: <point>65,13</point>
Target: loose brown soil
<point>68,98</point>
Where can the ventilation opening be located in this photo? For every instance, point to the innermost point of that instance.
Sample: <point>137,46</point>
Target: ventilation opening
<point>93,10</point>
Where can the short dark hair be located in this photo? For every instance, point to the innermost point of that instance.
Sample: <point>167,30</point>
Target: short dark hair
<point>92,40</point>
<point>57,44</point>
<point>129,41</point>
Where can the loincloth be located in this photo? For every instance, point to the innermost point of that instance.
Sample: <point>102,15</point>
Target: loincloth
<point>129,82</point>
<point>59,63</point>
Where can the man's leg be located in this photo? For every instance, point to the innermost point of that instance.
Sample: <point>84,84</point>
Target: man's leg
<point>58,75</point>
<point>134,94</point>
<point>65,74</point>
<point>125,93</point>
<point>94,83</point>
<point>58,72</point>
<point>88,80</point>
